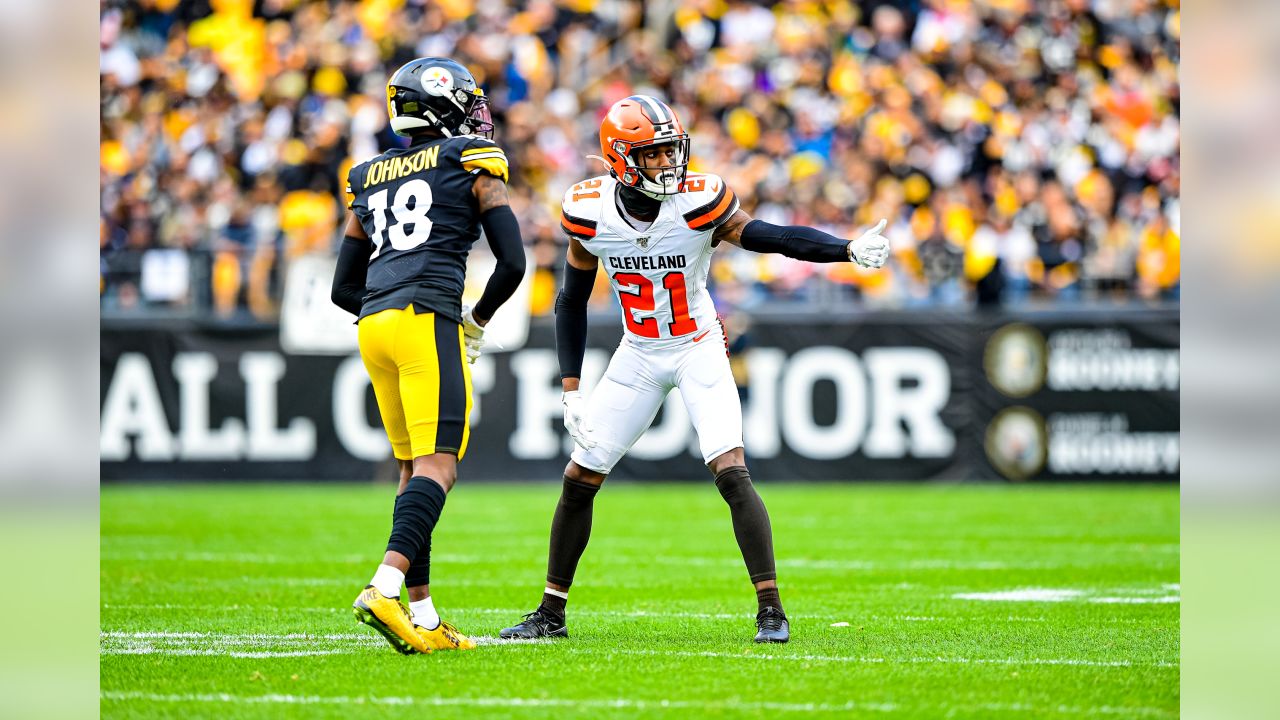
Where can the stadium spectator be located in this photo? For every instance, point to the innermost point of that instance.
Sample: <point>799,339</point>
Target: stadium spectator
<point>1037,141</point>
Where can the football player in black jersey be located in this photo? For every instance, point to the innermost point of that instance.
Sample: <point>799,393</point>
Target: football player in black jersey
<point>415,213</point>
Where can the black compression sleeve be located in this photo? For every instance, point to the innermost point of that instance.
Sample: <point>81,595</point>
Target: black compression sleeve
<point>503,231</point>
<point>794,241</point>
<point>348,279</point>
<point>571,319</point>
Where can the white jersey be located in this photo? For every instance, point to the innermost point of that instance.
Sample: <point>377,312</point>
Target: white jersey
<point>659,273</point>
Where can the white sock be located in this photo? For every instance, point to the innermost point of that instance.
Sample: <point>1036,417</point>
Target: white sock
<point>424,613</point>
<point>388,581</point>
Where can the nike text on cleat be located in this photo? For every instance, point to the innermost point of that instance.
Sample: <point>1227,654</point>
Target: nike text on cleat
<point>445,637</point>
<point>391,618</point>
<point>772,626</point>
<point>537,624</point>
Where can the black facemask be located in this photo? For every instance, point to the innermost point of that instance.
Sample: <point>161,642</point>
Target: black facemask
<point>637,204</point>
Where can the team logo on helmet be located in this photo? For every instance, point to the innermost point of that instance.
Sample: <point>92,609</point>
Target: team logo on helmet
<point>437,81</point>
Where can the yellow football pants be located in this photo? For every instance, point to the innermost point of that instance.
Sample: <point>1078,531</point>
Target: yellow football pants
<point>417,362</point>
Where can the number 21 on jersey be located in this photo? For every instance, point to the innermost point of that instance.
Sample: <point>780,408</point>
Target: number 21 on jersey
<point>642,301</point>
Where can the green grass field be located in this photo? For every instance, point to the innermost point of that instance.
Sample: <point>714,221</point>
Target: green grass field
<point>905,601</point>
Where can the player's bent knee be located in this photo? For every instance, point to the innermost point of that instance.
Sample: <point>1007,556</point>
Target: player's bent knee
<point>576,472</point>
<point>440,467</point>
<point>732,458</point>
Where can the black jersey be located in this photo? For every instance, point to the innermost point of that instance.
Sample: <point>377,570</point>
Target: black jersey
<point>416,206</point>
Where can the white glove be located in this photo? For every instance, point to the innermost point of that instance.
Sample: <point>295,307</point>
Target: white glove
<point>473,335</point>
<point>871,250</point>
<point>574,411</point>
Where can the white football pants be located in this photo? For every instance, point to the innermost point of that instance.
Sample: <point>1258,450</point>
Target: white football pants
<point>637,382</point>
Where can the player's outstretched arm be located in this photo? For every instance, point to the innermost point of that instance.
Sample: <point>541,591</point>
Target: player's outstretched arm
<point>870,250</point>
<point>571,334</point>
<point>503,232</point>
<point>353,263</point>
<point>571,312</point>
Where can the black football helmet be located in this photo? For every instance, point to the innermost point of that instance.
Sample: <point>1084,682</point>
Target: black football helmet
<point>434,92</point>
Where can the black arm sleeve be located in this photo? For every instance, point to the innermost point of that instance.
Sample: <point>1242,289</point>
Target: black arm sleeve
<point>571,319</point>
<point>348,279</point>
<point>503,231</point>
<point>794,241</point>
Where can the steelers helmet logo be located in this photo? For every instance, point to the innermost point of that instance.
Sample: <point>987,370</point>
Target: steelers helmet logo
<point>1017,443</point>
<point>437,81</point>
<point>1016,360</point>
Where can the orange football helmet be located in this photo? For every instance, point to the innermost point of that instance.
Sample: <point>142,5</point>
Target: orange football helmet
<point>641,121</point>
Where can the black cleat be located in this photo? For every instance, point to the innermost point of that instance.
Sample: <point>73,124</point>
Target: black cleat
<point>537,624</point>
<point>773,626</point>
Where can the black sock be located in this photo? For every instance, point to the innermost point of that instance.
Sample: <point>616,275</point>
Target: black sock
<point>570,531</point>
<point>768,597</point>
<point>417,511</point>
<point>553,604</point>
<point>750,522</point>
<point>419,565</point>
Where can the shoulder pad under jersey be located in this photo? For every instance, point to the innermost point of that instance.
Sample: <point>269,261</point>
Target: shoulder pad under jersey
<point>480,154</point>
<point>580,212</point>
<point>706,201</point>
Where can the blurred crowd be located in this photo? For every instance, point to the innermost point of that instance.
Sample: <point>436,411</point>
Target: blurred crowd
<point>1023,152</point>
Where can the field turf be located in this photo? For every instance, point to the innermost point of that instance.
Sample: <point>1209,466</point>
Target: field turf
<point>905,601</point>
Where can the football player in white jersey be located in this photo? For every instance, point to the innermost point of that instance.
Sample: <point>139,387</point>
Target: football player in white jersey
<point>654,228</point>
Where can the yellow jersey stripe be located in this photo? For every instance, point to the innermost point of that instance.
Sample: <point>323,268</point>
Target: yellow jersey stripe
<point>482,150</point>
<point>495,166</point>
<point>489,156</point>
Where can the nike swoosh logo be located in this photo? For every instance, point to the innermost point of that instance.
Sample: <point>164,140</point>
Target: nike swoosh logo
<point>700,336</point>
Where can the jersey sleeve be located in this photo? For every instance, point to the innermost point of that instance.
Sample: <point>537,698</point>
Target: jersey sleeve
<point>353,184</point>
<point>580,210</point>
<point>712,201</point>
<point>482,155</point>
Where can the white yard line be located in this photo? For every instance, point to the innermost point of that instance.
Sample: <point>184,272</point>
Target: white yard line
<point>1023,595</point>
<point>610,704</point>
<point>1128,596</point>
<point>229,637</point>
<point>247,558</point>
<point>220,653</point>
<point>878,660</point>
<point>285,645</point>
<point>499,702</point>
<point>515,613</point>
<point>271,559</point>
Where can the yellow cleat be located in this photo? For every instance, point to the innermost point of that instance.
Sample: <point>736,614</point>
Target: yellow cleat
<point>391,618</point>
<point>445,637</point>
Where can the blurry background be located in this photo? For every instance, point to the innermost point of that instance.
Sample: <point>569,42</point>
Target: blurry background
<point>1024,153</point>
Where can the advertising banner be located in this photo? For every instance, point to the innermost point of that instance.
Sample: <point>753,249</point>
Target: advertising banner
<point>893,396</point>
<point>1088,398</point>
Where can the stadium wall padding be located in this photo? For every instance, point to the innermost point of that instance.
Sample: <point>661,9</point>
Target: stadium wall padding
<point>1025,396</point>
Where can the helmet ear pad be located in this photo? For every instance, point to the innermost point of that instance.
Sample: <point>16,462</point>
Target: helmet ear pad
<point>617,153</point>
